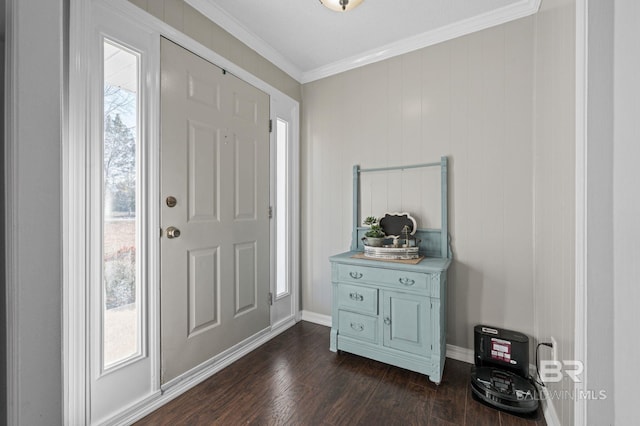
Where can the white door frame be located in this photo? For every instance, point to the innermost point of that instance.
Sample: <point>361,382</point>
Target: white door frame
<point>289,109</point>
<point>76,362</point>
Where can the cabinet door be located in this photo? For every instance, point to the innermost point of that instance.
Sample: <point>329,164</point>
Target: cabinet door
<point>406,319</point>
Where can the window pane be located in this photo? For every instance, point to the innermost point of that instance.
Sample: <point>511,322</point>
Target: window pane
<point>282,133</point>
<point>121,284</point>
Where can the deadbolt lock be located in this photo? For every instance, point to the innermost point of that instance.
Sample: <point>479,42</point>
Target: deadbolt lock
<point>171,201</point>
<point>173,232</point>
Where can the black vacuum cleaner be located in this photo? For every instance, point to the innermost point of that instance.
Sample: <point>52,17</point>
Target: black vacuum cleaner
<point>500,376</point>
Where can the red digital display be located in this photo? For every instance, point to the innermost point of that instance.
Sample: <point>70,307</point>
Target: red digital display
<point>501,350</point>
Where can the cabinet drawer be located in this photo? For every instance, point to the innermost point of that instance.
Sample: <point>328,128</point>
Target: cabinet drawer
<point>358,326</point>
<point>357,298</point>
<point>389,277</point>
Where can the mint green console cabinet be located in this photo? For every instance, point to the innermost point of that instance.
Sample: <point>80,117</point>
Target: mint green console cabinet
<point>391,312</point>
<point>394,312</point>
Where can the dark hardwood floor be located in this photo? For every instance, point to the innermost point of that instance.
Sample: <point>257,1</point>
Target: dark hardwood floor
<point>295,380</point>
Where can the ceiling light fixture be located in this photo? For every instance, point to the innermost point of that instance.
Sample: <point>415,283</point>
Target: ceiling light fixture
<point>341,5</point>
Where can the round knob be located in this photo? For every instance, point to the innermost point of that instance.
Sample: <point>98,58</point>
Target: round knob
<point>387,320</point>
<point>171,201</point>
<point>173,232</point>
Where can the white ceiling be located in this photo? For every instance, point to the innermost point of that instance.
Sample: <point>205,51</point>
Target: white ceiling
<point>309,41</point>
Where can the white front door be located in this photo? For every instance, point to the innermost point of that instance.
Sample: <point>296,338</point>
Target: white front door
<point>214,251</point>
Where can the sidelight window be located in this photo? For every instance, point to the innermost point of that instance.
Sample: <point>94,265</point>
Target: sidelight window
<point>282,208</point>
<point>121,289</point>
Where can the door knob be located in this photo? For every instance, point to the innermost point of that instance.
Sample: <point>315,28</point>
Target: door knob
<point>173,232</point>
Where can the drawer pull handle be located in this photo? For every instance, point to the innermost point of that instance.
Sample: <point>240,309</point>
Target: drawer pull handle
<point>356,296</point>
<point>357,326</point>
<point>407,281</point>
<point>387,320</point>
<point>355,275</point>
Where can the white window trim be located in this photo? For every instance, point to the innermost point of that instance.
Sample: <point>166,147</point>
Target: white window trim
<point>291,193</point>
<point>74,152</point>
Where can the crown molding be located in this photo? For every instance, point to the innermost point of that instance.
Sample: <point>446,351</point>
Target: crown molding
<point>499,16</point>
<point>477,23</point>
<point>239,31</point>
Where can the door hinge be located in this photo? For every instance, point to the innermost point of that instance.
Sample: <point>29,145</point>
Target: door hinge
<point>270,298</point>
<point>270,212</point>
<point>270,126</point>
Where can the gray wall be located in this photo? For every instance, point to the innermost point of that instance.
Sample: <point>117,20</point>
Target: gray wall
<point>35,198</point>
<point>554,170</point>
<point>501,103</point>
<point>38,165</point>
<point>3,311</point>
<point>626,214</point>
<point>600,250</point>
<point>471,99</point>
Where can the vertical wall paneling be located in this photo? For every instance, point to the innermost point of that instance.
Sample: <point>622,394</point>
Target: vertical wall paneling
<point>626,207</point>
<point>33,210</point>
<point>470,99</point>
<point>599,214</point>
<point>554,171</point>
<point>3,312</point>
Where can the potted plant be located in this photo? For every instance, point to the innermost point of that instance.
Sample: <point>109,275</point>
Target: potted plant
<point>375,235</point>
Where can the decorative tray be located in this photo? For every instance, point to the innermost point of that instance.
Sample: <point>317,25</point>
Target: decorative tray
<point>391,252</point>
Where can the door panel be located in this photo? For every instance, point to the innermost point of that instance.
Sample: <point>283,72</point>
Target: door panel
<point>204,290</point>
<point>246,285</point>
<point>407,322</point>
<point>203,186</point>
<point>245,160</point>
<point>203,90</point>
<point>215,162</point>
